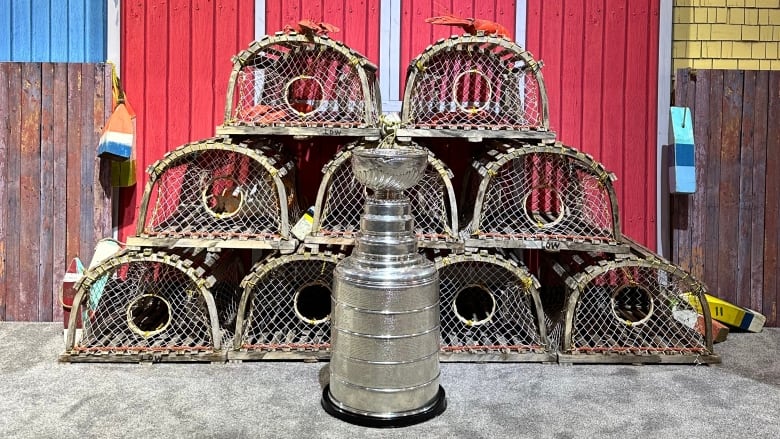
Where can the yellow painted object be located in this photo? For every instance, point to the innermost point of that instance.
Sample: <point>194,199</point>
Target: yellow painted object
<point>730,314</point>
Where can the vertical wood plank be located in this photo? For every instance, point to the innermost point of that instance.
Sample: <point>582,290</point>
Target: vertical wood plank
<point>42,23</point>
<point>728,196</point>
<point>73,163</point>
<point>60,182</point>
<point>697,218</point>
<point>13,192</point>
<point>772,202</point>
<point>87,164</point>
<point>21,33</point>
<point>59,34</point>
<point>225,45</point>
<point>745,202</point>
<point>203,28</point>
<point>713,181</point>
<point>5,145</point>
<point>573,25</point>
<point>5,43</point>
<point>179,90</point>
<point>680,204</point>
<point>758,185</point>
<point>592,91</point>
<point>46,212</point>
<point>103,222</point>
<point>649,219</point>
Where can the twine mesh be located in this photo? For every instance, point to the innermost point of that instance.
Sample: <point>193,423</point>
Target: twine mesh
<point>474,83</point>
<point>485,306</point>
<point>637,309</point>
<point>542,195</point>
<point>345,197</point>
<point>277,289</point>
<point>295,81</point>
<point>221,193</point>
<point>145,305</point>
<point>228,274</point>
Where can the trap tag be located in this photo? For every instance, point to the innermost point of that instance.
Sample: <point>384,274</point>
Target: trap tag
<point>304,225</point>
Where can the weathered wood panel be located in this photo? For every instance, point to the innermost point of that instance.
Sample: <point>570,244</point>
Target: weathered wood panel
<point>53,206</point>
<point>600,70</point>
<point>727,232</point>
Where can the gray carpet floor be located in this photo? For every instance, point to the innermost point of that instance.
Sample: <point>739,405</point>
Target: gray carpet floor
<point>41,398</point>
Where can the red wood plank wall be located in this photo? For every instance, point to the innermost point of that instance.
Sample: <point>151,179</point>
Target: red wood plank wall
<point>600,68</point>
<point>54,192</point>
<point>175,69</point>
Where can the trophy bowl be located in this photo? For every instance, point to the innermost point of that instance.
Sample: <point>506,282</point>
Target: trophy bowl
<point>389,169</point>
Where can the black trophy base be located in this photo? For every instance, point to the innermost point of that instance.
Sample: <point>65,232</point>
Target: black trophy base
<point>436,408</point>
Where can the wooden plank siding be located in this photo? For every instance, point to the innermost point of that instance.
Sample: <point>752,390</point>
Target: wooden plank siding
<point>175,70</point>
<point>727,232</point>
<point>600,69</point>
<point>53,204</point>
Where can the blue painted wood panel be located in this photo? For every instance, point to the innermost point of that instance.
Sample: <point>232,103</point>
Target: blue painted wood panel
<point>53,30</point>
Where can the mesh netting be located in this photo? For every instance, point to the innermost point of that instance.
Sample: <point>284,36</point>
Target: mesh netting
<point>542,191</point>
<point>146,302</point>
<point>294,80</point>
<point>487,304</point>
<point>215,188</point>
<point>228,273</point>
<point>635,306</point>
<point>340,203</point>
<point>475,82</point>
<point>287,303</point>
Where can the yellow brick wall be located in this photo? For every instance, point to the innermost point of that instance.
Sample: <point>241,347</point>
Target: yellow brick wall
<point>726,34</point>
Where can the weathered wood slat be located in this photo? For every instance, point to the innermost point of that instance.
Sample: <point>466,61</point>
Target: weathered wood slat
<point>87,162</point>
<point>13,191</point>
<point>760,132</point>
<point>728,191</point>
<point>681,226</point>
<point>713,181</point>
<point>698,220</point>
<point>772,203</point>
<point>745,201</point>
<point>46,212</point>
<point>73,163</point>
<point>59,186</point>
<point>5,139</point>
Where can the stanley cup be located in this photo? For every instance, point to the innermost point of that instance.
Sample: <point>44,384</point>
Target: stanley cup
<point>384,367</point>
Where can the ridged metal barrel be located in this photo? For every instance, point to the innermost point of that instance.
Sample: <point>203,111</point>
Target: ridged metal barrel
<point>384,367</point>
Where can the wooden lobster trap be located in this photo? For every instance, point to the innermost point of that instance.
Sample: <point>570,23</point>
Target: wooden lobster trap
<point>635,308</point>
<point>219,193</point>
<point>541,196</point>
<point>153,306</point>
<point>490,310</point>
<point>475,86</point>
<point>284,312</point>
<point>340,201</point>
<point>295,84</point>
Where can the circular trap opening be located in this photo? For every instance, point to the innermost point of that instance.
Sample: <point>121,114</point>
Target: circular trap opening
<point>471,91</point>
<point>149,314</point>
<point>222,197</point>
<point>312,303</point>
<point>543,206</point>
<point>474,305</point>
<point>632,304</point>
<point>304,94</point>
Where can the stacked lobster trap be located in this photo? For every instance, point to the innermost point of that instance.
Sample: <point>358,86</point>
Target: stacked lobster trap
<point>531,260</point>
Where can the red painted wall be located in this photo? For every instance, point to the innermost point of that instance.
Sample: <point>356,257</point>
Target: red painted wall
<point>600,68</point>
<point>175,69</point>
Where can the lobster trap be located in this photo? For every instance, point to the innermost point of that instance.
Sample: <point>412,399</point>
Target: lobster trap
<point>217,193</point>
<point>636,308</point>
<point>341,198</point>
<point>475,86</point>
<point>146,306</point>
<point>490,310</point>
<point>285,307</point>
<point>294,84</point>
<point>543,196</point>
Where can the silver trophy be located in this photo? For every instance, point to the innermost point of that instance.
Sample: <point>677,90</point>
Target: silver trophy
<point>384,367</point>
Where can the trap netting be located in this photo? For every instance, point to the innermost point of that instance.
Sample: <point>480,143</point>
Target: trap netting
<point>546,196</point>
<point>476,82</point>
<point>146,306</point>
<point>490,310</point>
<point>218,189</point>
<point>628,308</point>
<point>293,80</point>
<point>284,311</point>
<point>341,198</point>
